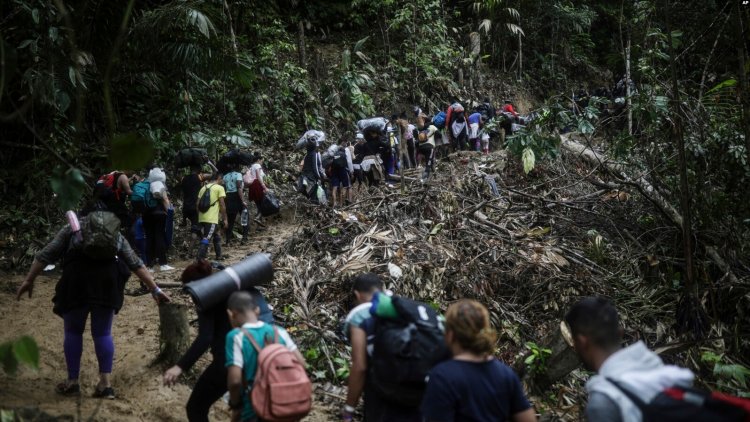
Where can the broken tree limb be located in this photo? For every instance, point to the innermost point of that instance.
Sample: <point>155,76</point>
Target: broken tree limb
<point>646,189</point>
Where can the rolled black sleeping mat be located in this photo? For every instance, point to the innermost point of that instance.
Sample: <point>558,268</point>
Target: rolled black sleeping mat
<point>255,270</point>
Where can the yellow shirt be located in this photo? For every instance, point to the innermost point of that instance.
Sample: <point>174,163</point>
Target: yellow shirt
<point>212,215</point>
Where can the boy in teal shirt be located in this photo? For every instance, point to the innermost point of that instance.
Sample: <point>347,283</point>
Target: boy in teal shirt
<point>242,359</point>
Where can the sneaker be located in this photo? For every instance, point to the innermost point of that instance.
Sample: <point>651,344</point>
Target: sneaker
<point>106,393</point>
<point>67,389</point>
<point>166,268</point>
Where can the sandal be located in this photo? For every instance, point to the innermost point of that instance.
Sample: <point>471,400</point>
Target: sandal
<point>66,389</point>
<point>105,393</point>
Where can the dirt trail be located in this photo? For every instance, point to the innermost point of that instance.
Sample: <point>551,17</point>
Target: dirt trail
<point>140,394</point>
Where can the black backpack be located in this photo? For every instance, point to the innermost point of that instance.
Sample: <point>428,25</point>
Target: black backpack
<point>339,159</point>
<point>689,404</point>
<point>204,204</point>
<point>405,350</point>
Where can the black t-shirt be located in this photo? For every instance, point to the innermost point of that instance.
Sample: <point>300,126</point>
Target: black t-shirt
<point>191,185</point>
<point>471,391</point>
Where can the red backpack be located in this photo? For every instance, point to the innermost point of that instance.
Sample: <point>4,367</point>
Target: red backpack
<point>281,392</point>
<point>689,404</point>
<point>109,181</point>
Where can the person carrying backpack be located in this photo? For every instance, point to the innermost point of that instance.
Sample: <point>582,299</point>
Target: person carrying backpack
<point>392,386</point>
<point>250,367</point>
<point>256,188</point>
<point>113,189</point>
<point>341,174</point>
<point>235,200</point>
<point>96,264</point>
<point>213,326</point>
<point>211,206</point>
<point>473,386</point>
<point>155,221</point>
<point>597,338</point>
<point>190,185</point>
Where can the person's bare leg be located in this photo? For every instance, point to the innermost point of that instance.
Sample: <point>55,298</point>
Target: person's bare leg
<point>104,381</point>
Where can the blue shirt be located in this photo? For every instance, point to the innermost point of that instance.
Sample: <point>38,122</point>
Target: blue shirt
<point>240,352</point>
<point>471,391</point>
<point>230,180</point>
<point>475,118</point>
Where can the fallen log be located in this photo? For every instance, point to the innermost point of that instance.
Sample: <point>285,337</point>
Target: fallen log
<point>646,189</point>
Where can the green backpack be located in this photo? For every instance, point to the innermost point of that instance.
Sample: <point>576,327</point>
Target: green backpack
<point>100,233</point>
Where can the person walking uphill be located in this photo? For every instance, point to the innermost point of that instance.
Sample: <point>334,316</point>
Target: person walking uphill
<point>210,206</point>
<point>473,386</point>
<point>597,339</point>
<point>256,187</point>
<point>96,263</point>
<point>191,185</point>
<point>244,350</point>
<point>155,221</point>
<point>359,328</point>
<point>213,326</point>
<point>235,200</point>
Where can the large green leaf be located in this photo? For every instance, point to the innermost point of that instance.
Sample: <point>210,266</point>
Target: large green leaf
<point>528,159</point>
<point>131,151</point>
<point>8,359</point>
<point>69,186</point>
<point>26,351</point>
<point>721,85</point>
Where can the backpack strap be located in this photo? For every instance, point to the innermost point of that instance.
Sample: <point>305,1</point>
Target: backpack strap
<point>255,344</point>
<point>637,401</point>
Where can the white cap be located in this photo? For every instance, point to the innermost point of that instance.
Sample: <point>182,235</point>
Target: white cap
<point>360,135</point>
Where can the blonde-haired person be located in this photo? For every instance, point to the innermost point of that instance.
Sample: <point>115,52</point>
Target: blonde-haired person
<point>473,386</point>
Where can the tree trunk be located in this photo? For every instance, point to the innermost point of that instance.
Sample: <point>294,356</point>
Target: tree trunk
<point>520,57</point>
<point>744,95</point>
<point>301,43</point>
<point>174,333</point>
<point>562,361</point>
<point>628,102</point>
<point>231,29</point>
<point>644,186</point>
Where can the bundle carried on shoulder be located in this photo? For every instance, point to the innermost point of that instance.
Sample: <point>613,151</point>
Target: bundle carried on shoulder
<point>409,341</point>
<point>372,125</point>
<point>311,136</point>
<point>191,157</point>
<point>158,178</point>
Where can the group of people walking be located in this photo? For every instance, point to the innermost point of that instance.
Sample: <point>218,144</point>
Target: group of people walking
<point>382,146</point>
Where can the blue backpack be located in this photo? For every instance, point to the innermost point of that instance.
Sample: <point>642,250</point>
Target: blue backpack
<point>141,198</point>
<point>439,120</point>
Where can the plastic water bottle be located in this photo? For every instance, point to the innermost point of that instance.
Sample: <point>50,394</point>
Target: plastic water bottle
<point>75,226</point>
<point>244,218</point>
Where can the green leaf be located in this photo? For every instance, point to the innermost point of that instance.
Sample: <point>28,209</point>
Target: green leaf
<point>530,359</point>
<point>35,15</point>
<point>69,186</point>
<point>27,352</point>
<point>528,159</point>
<point>25,44</point>
<point>8,359</point>
<point>723,84</point>
<point>7,415</point>
<point>333,231</point>
<point>130,151</point>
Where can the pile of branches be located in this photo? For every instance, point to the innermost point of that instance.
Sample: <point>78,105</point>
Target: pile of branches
<point>527,246</point>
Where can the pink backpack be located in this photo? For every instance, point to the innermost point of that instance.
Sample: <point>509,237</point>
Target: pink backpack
<point>281,392</point>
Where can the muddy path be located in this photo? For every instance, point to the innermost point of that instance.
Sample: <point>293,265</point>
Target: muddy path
<point>137,382</point>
